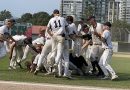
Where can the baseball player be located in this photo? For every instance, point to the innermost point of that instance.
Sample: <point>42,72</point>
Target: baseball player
<point>79,41</point>
<point>35,61</point>
<point>39,40</point>
<point>75,41</point>
<point>107,53</point>
<point>96,48</point>
<point>86,47</point>
<point>17,50</point>
<point>45,51</point>
<point>65,61</point>
<point>57,27</point>
<point>5,33</point>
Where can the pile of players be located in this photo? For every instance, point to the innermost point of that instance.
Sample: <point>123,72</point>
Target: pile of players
<point>62,49</point>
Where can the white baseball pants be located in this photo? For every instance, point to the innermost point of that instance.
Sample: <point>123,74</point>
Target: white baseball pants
<point>66,60</point>
<point>95,52</point>
<point>16,56</point>
<point>26,52</point>
<point>57,48</point>
<point>104,62</point>
<point>45,51</point>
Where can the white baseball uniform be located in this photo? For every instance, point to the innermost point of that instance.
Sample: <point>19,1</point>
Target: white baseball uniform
<point>107,54</point>
<point>3,29</point>
<point>76,45</point>
<point>65,61</point>
<point>57,25</point>
<point>36,59</point>
<point>18,50</point>
<point>45,51</point>
<point>96,48</point>
<point>40,40</point>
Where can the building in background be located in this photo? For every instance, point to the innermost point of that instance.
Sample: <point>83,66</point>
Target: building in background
<point>35,30</point>
<point>99,8</point>
<point>124,10</point>
<point>72,7</point>
<point>113,10</point>
<point>104,10</point>
<point>84,8</point>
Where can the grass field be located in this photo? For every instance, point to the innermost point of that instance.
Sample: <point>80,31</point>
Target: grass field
<point>120,64</point>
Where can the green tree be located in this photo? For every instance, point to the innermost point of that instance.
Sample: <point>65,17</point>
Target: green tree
<point>4,15</point>
<point>89,11</point>
<point>26,17</point>
<point>120,30</point>
<point>89,8</point>
<point>40,18</point>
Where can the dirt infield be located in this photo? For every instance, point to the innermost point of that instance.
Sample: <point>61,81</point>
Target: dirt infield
<point>10,85</point>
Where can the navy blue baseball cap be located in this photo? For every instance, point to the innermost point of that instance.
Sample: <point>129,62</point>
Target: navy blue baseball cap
<point>56,11</point>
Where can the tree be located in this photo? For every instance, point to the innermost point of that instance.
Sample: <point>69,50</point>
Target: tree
<point>40,18</point>
<point>26,17</point>
<point>89,8</point>
<point>120,30</point>
<point>4,15</point>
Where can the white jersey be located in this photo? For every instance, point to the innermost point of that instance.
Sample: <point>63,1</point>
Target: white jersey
<point>19,39</point>
<point>57,24</point>
<point>107,36</point>
<point>72,29</point>
<point>4,32</point>
<point>4,29</point>
<point>79,28</point>
<point>40,40</point>
<point>99,29</point>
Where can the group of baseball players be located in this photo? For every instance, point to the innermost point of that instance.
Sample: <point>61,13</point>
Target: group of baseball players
<point>62,49</point>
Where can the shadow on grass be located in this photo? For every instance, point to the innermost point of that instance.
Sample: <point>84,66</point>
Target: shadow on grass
<point>124,77</point>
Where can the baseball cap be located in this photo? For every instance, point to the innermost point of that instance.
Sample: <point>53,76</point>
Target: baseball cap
<point>90,17</point>
<point>107,24</point>
<point>56,11</point>
<point>10,20</point>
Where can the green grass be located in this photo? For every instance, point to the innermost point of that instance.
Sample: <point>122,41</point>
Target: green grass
<point>120,65</point>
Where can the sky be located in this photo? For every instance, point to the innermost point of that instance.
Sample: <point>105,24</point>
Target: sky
<point>19,7</point>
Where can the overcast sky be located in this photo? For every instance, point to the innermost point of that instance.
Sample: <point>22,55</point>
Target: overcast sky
<point>19,7</point>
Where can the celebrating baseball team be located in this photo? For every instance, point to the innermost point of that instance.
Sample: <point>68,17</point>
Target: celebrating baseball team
<point>63,49</point>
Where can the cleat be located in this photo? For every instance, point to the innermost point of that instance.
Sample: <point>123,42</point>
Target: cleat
<point>10,68</point>
<point>35,72</point>
<point>48,73</point>
<point>114,77</point>
<point>68,77</point>
<point>105,78</point>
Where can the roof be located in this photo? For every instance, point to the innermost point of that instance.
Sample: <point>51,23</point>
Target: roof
<point>35,29</point>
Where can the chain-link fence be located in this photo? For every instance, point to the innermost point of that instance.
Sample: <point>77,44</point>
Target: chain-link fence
<point>121,39</point>
<point>120,34</point>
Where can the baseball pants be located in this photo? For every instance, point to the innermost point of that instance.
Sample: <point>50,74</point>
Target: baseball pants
<point>104,62</point>
<point>45,51</point>
<point>65,59</point>
<point>57,48</point>
<point>16,56</point>
<point>26,52</point>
